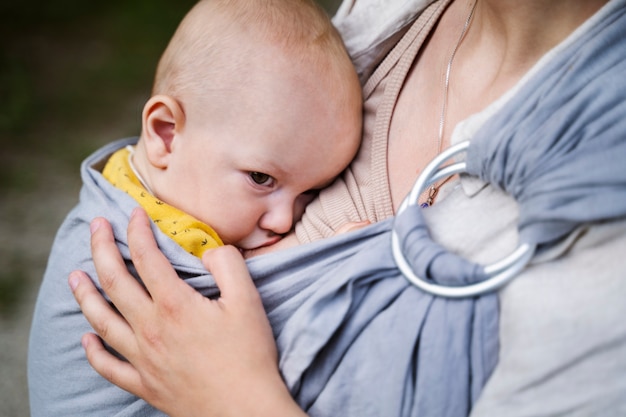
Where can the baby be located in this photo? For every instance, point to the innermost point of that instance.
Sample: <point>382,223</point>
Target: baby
<point>255,106</point>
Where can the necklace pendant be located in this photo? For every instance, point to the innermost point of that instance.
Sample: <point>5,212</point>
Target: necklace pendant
<point>432,192</point>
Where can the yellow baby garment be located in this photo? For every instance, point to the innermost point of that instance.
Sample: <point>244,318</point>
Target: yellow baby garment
<point>190,233</point>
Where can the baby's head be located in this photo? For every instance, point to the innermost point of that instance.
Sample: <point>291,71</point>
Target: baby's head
<point>255,106</point>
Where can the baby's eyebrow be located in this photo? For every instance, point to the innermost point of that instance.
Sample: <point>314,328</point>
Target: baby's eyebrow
<point>272,168</point>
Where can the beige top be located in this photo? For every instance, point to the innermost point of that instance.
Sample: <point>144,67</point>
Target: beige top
<point>362,192</point>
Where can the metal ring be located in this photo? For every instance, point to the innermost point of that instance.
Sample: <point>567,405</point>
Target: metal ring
<point>498,273</point>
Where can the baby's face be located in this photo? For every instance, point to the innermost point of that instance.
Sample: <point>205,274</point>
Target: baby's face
<point>249,166</point>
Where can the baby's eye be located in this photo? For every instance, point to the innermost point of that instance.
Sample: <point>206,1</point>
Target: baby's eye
<point>261,178</point>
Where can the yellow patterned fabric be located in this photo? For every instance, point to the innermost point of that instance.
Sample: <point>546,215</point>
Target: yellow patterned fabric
<point>190,233</point>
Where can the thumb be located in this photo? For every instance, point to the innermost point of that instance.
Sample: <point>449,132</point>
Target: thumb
<point>231,274</point>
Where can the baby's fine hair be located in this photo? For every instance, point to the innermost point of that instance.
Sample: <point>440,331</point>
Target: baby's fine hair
<point>204,47</point>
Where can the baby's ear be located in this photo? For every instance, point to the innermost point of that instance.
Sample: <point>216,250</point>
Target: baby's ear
<point>162,119</point>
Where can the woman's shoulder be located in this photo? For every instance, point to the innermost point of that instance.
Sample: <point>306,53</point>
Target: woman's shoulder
<point>371,28</point>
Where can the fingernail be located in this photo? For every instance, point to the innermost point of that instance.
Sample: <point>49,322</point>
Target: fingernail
<point>134,212</point>
<point>95,225</point>
<point>74,280</point>
<point>85,342</point>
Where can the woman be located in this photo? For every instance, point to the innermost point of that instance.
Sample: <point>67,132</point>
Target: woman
<point>449,75</point>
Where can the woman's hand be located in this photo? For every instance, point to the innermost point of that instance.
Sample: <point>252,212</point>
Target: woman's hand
<point>187,355</point>
<point>351,227</point>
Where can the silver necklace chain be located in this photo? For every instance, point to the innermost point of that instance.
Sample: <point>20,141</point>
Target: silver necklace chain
<point>434,189</point>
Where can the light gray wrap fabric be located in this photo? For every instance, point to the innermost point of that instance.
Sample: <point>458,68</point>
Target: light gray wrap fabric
<point>355,338</point>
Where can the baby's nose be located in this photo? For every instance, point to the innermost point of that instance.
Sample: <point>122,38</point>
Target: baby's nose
<point>279,219</point>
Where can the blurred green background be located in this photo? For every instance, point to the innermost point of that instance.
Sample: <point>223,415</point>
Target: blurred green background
<point>73,76</point>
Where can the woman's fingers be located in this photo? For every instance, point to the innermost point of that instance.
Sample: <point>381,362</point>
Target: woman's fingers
<point>153,267</point>
<point>111,327</point>
<point>351,227</point>
<point>231,274</point>
<point>241,308</point>
<point>116,371</point>
<point>105,321</point>
<point>126,293</point>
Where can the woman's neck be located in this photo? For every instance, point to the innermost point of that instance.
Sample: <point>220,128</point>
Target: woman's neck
<point>523,31</point>
<point>506,38</point>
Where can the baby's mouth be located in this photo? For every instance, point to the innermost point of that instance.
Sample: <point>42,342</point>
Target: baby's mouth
<point>274,239</point>
<point>269,242</point>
